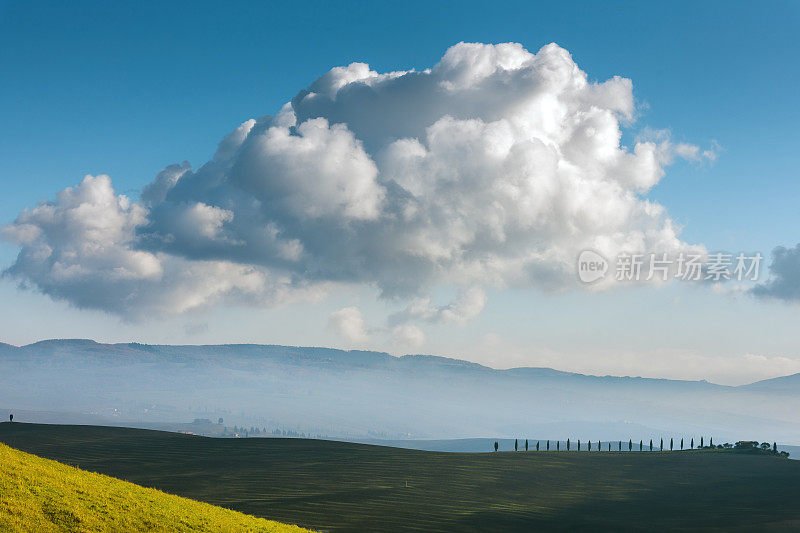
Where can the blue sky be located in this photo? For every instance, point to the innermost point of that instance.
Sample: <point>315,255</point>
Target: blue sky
<point>126,89</point>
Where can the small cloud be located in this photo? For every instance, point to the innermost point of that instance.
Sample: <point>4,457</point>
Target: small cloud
<point>468,304</point>
<point>668,150</point>
<point>784,276</point>
<point>348,323</point>
<point>407,336</point>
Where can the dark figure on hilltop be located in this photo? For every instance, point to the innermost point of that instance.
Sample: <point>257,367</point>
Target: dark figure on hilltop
<point>516,445</point>
<point>495,445</point>
<point>537,445</point>
<point>641,445</point>
<point>548,446</point>
<point>670,444</point>
<point>10,417</point>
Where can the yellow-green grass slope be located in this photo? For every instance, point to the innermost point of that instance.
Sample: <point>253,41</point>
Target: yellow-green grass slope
<point>41,495</point>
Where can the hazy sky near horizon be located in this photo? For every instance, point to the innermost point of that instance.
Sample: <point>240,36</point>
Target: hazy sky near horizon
<point>357,178</point>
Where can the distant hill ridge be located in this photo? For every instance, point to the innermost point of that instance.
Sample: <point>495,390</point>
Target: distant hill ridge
<point>361,357</point>
<point>315,390</point>
<point>789,383</point>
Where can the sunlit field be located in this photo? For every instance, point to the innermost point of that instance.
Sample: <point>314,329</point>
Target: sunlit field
<point>39,495</point>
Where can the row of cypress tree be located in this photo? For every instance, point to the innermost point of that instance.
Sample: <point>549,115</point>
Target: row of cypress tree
<point>599,447</point>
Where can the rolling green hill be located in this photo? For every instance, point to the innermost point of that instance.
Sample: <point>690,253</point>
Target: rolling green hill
<point>40,495</point>
<point>335,486</point>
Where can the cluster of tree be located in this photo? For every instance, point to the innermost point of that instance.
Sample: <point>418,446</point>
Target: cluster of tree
<point>753,445</point>
<point>253,431</point>
<point>288,433</point>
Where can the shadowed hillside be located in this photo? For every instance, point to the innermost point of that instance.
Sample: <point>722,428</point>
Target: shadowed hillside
<point>350,487</point>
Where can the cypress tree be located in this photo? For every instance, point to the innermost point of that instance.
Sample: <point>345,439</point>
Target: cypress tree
<point>579,444</point>
<point>630,445</point>
<point>701,442</point>
<point>558,445</point>
<point>774,447</point>
<point>516,445</point>
<point>548,446</point>
<point>651,445</point>
<point>526,445</point>
<point>567,444</point>
<point>537,445</point>
<point>670,444</point>
<point>681,443</point>
<point>609,445</point>
<point>620,446</point>
<point>662,445</point>
<point>711,442</point>
<point>640,445</point>
<point>692,444</point>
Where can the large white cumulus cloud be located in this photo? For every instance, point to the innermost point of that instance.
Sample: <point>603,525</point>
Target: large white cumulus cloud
<point>494,167</point>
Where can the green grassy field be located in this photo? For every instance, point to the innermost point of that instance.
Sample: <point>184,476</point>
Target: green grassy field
<point>40,495</point>
<point>336,486</point>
